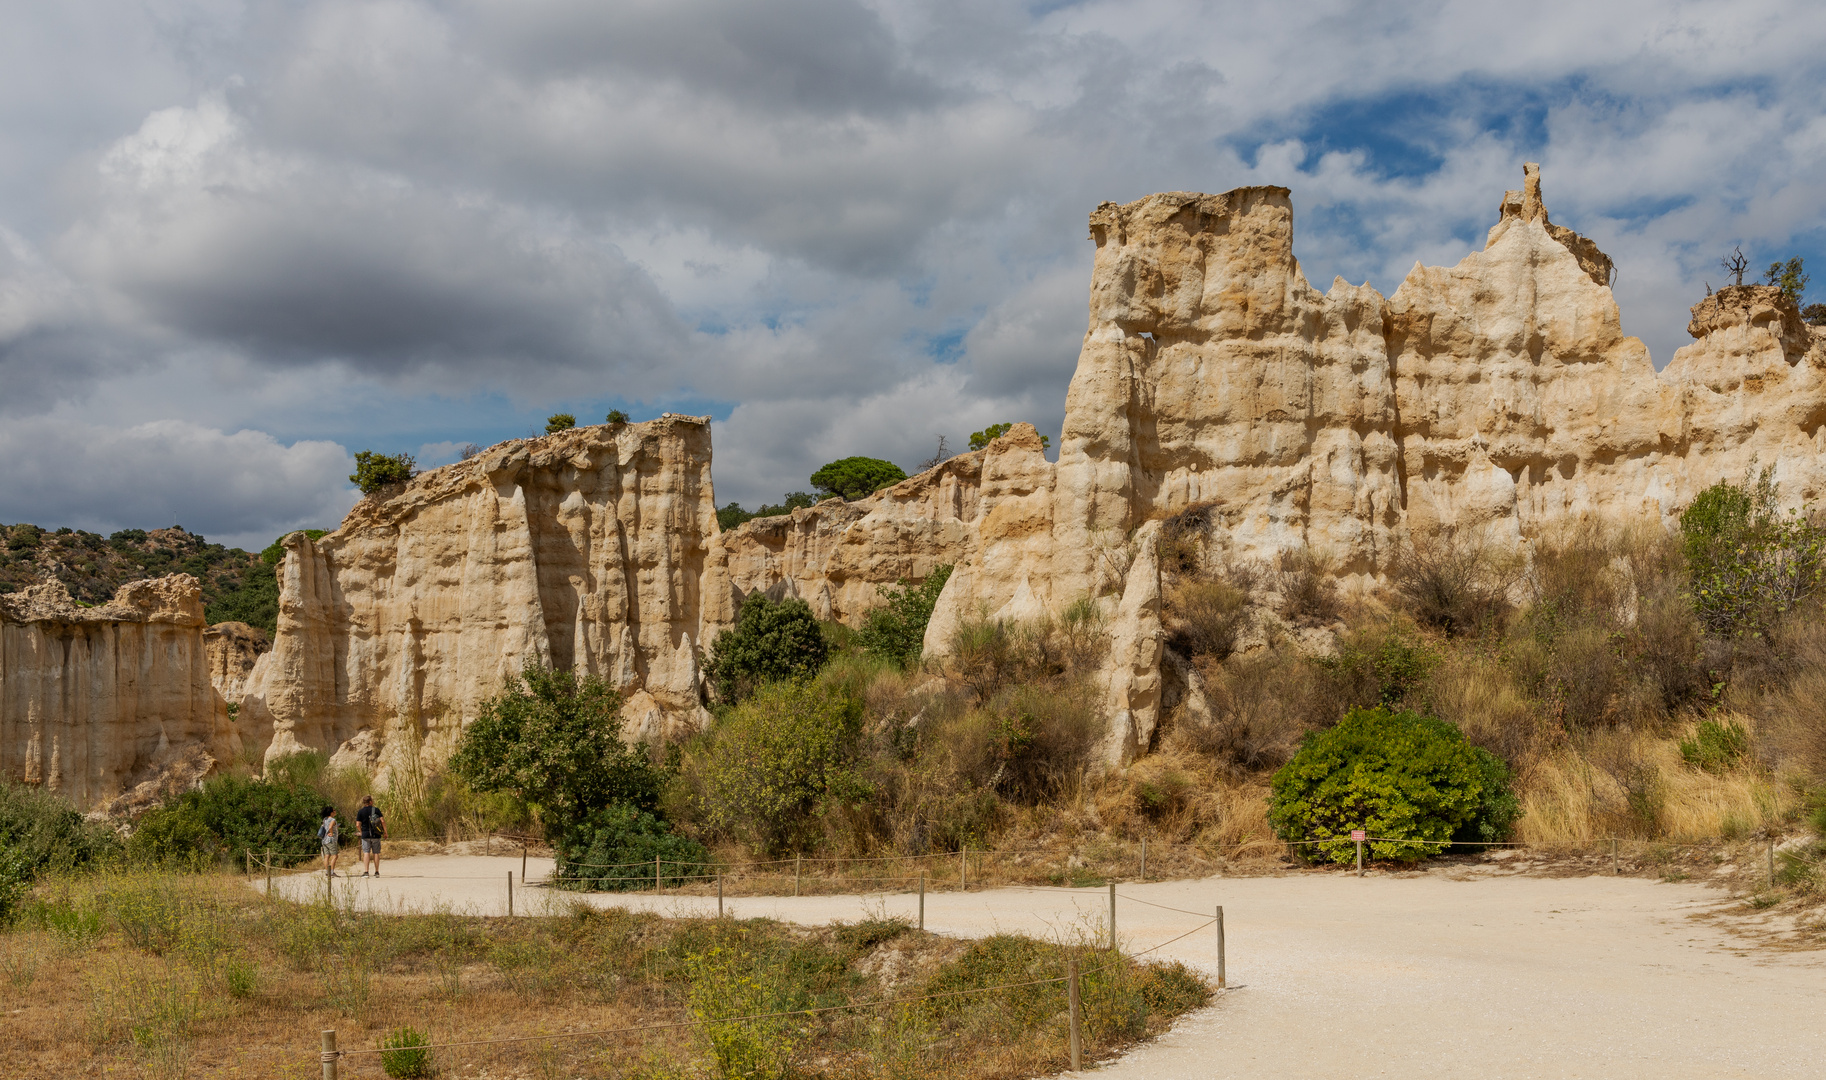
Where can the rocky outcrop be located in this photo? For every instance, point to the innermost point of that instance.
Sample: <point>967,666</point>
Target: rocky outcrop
<point>97,700</point>
<point>587,549</point>
<point>232,648</point>
<point>837,554</point>
<point>1499,395</point>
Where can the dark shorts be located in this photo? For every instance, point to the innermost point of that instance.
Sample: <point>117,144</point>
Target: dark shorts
<point>370,847</point>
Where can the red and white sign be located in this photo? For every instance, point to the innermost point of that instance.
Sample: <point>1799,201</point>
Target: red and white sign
<point>1358,835</point>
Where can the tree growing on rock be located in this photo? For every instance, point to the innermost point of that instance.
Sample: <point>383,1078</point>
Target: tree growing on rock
<point>770,642</point>
<point>557,422</point>
<point>857,477</point>
<point>375,471</point>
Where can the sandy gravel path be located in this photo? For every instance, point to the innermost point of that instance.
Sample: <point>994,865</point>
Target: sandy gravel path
<point>1425,975</point>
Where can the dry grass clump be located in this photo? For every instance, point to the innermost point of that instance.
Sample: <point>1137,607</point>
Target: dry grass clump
<point>1308,591</point>
<point>167,976</point>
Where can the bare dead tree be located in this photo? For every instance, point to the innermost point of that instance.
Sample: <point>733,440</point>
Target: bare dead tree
<point>942,454</point>
<point>1735,264</point>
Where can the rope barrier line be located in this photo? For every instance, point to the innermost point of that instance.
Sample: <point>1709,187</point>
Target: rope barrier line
<point>601,1032</point>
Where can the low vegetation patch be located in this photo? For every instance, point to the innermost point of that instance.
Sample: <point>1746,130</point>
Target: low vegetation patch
<point>166,974</point>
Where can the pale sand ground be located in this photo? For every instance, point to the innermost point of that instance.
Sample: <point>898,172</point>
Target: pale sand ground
<point>1423,975</point>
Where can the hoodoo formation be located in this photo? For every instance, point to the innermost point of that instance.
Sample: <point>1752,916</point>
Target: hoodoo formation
<point>1498,395</point>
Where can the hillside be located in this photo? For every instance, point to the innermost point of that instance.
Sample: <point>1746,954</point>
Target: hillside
<point>238,586</point>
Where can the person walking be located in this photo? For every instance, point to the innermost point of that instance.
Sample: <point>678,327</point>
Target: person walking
<point>372,825</point>
<point>327,835</point>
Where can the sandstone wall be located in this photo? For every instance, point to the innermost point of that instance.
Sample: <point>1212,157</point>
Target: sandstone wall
<point>585,549</point>
<point>1499,395</point>
<point>94,701</point>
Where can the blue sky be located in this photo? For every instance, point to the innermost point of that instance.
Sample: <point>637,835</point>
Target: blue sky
<point>239,242</point>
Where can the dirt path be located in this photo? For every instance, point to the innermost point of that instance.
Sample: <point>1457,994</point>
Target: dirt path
<point>1426,975</point>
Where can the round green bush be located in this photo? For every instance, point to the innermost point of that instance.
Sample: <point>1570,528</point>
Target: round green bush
<point>614,850</point>
<point>228,817</point>
<point>1411,781</point>
<point>770,642</point>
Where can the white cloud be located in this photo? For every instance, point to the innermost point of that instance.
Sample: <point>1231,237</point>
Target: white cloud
<point>239,488</point>
<point>855,223</point>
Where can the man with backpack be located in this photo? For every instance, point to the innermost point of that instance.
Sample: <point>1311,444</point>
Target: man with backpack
<point>373,827</point>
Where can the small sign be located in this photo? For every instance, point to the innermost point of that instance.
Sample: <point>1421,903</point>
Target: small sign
<point>1358,835</point>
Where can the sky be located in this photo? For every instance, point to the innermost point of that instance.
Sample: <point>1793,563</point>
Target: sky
<point>240,242</point>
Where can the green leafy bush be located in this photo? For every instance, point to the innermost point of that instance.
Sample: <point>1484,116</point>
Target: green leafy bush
<point>616,416</point>
<point>1750,564</point>
<point>779,760</point>
<point>769,642</point>
<point>614,850</point>
<point>559,422</point>
<point>375,471</point>
<point>857,477</point>
<point>42,830</point>
<point>728,517</point>
<point>406,1054</point>
<point>553,740</point>
<point>226,818</point>
<point>897,630</point>
<point>1403,777</point>
<point>1716,747</point>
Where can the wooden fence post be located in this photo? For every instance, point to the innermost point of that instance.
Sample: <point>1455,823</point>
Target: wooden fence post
<point>1616,861</point>
<point>719,896</point>
<point>922,899</point>
<point>1359,858</point>
<point>798,869</point>
<point>510,893</point>
<point>1112,916</point>
<point>963,867</point>
<point>659,883</point>
<point>1772,864</point>
<point>1144,858</point>
<point>1071,997</point>
<point>330,1054</point>
<point>522,862</point>
<point>1220,946</point>
<point>269,872</point>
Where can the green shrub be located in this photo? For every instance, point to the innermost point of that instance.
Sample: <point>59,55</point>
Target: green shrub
<point>226,818</point>
<point>1403,777</point>
<point>406,1054</point>
<point>1716,747</point>
<point>1750,564</point>
<point>616,416</point>
<point>554,741</point>
<point>1380,665</point>
<point>769,642</point>
<point>15,882</point>
<point>778,761</point>
<point>559,422</point>
<point>375,471</point>
<point>857,477</point>
<point>897,630</point>
<point>728,517</point>
<point>733,976</point>
<point>45,834</point>
<point>614,848</point>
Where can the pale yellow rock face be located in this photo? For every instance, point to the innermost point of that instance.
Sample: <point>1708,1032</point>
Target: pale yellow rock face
<point>837,554</point>
<point>587,549</point>
<point>1499,395</point>
<point>95,700</point>
<point>233,648</point>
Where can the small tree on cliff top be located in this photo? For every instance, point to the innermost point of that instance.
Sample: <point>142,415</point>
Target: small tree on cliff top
<point>375,471</point>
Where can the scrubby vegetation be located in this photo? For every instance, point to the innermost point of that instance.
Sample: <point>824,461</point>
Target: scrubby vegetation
<point>160,974</point>
<point>375,471</point>
<point>771,641</point>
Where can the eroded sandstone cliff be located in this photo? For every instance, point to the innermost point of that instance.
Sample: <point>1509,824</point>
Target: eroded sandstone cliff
<point>586,549</point>
<point>95,700</point>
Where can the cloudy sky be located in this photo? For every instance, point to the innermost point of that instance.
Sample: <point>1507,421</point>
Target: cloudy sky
<point>239,242</point>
